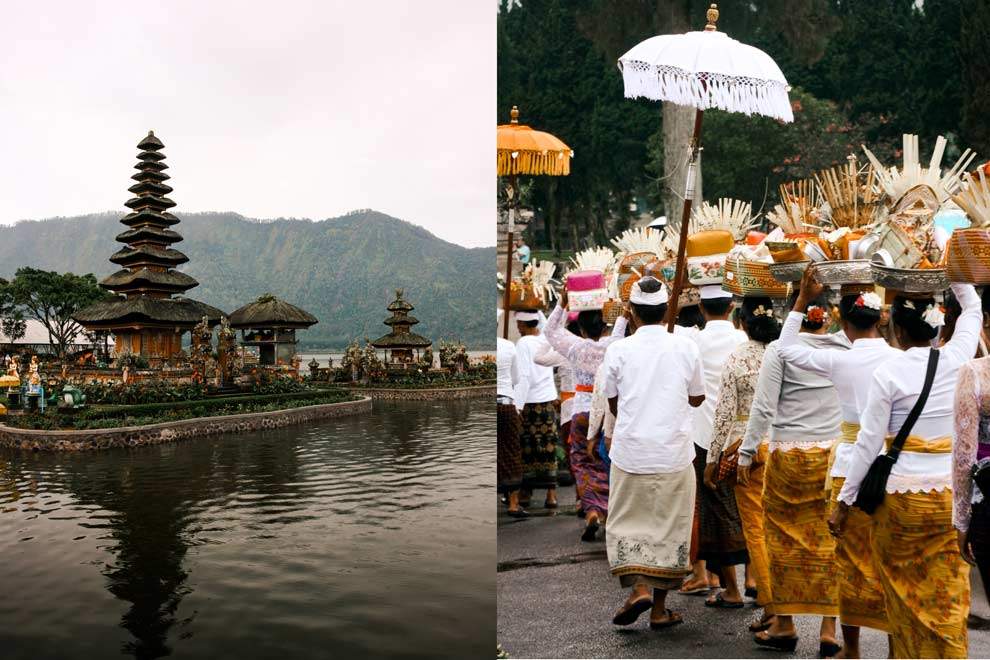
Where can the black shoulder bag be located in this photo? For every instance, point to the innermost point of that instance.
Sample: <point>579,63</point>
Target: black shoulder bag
<point>874,486</point>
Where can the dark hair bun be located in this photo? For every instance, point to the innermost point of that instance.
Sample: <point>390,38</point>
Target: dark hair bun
<point>908,313</point>
<point>860,316</point>
<point>761,326</point>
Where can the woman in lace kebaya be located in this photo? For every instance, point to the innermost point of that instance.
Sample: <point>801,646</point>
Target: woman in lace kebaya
<point>970,510</point>
<point>585,354</point>
<point>727,505</point>
<point>924,578</point>
<point>801,412</point>
<point>861,600</point>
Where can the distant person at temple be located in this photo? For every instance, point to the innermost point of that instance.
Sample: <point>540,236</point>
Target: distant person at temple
<point>522,250</point>
<point>652,380</point>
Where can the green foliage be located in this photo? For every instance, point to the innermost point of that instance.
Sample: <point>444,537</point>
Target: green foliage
<point>344,270</point>
<point>863,71</point>
<point>281,385</point>
<point>820,137</point>
<point>51,298</point>
<point>137,415</point>
<point>143,392</point>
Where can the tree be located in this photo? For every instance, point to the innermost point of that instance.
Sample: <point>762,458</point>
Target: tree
<point>975,59</point>
<point>52,298</point>
<point>11,320</point>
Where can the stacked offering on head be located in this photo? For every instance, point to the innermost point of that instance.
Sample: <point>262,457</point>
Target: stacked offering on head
<point>908,253</point>
<point>637,249</point>
<point>713,232</point>
<point>586,282</point>
<point>534,288</point>
<point>967,256</point>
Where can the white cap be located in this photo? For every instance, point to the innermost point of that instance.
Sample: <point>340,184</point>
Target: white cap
<point>656,298</point>
<point>659,222</point>
<point>713,292</point>
<point>527,316</point>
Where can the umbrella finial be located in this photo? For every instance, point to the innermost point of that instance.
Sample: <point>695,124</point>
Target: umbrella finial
<point>712,15</point>
<point>514,114</point>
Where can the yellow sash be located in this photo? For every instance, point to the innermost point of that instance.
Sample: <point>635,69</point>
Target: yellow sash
<point>920,445</point>
<point>847,435</point>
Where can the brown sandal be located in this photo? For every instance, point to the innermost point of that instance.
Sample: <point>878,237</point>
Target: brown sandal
<point>673,618</point>
<point>631,611</point>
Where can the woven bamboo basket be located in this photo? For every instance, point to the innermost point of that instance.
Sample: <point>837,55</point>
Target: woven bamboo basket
<point>968,256</point>
<point>612,311</point>
<point>751,278</point>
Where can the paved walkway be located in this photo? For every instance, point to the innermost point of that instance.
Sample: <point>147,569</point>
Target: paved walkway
<point>556,600</point>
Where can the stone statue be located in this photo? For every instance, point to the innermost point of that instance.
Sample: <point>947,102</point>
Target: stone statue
<point>201,350</point>
<point>227,353</point>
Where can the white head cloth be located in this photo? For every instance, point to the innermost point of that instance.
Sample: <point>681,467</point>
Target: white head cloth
<point>527,316</point>
<point>713,292</point>
<point>638,297</point>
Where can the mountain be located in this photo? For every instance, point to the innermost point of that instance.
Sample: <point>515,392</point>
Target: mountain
<point>342,270</point>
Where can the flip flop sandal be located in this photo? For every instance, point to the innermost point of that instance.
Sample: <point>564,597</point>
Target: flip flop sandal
<point>590,530</point>
<point>630,612</point>
<point>673,618</point>
<point>761,625</point>
<point>720,602</point>
<point>828,649</point>
<point>751,592</point>
<point>777,643</point>
<point>518,513</point>
<point>695,591</point>
<point>549,505</point>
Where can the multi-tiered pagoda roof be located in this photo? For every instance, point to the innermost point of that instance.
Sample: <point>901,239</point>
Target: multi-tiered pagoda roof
<point>401,321</point>
<point>147,280</point>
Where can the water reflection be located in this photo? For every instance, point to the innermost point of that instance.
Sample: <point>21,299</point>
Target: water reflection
<point>366,536</point>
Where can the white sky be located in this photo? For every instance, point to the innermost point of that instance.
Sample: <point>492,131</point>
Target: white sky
<point>289,108</point>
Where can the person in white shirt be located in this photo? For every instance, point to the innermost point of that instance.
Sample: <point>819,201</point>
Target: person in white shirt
<point>535,396</point>
<point>925,580</point>
<point>716,342</point>
<point>522,250</point>
<point>509,426</point>
<point>861,601</point>
<point>652,380</point>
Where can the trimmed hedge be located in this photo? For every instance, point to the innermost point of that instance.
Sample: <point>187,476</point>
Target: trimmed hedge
<point>153,413</point>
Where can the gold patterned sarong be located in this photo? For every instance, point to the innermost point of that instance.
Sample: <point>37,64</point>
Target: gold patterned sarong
<point>925,580</point>
<point>861,601</point>
<point>749,501</point>
<point>803,573</point>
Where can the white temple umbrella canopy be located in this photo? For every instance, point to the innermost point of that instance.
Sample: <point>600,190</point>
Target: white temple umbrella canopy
<point>704,70</point>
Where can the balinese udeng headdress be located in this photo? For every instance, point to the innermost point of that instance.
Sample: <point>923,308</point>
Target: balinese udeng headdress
<point>639,297</point>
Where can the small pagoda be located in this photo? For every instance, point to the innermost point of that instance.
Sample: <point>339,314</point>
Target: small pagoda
<point>148,317</point>
<point>401,345</point>
<point>270,325</point>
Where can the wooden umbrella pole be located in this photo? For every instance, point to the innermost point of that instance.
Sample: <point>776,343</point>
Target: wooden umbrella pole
<point>685,221</point>
<point>508,259</point>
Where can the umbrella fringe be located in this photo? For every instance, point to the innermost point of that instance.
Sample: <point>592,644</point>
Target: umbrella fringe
<point>534,163</point>
<point>709,90</point>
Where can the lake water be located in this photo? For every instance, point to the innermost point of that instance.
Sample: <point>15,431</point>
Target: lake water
<point>369,536</point>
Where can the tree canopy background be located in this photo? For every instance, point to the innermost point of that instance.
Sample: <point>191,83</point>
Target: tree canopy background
<point>862,72</point>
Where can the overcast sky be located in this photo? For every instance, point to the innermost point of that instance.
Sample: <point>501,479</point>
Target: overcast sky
<point>288,108</point>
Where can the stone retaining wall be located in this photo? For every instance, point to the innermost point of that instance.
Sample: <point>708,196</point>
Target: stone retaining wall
<point>153,434</point>
<point>414,394</point>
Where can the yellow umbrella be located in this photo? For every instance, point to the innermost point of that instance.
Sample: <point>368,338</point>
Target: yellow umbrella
<point>522,150</point>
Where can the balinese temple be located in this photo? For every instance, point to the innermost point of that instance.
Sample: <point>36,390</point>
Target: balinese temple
<point>148,317</point>
<point>270,325</point>
<point>401,345</point>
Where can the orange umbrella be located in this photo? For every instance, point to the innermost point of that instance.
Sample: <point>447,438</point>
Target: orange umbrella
<point>521,150</point>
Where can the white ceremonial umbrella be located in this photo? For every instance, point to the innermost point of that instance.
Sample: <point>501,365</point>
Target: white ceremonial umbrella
<point>703,70</point>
